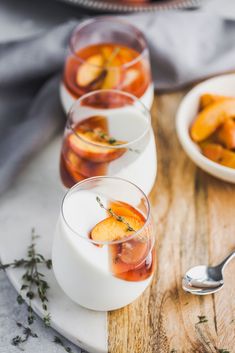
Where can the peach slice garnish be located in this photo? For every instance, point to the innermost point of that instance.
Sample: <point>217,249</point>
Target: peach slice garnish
<point>130,76</point>
<point>121,208</point>
<point>133,252</point>
<point>80,144</point>
<point>112,64</point>
<point>83,166</point>
<point>107,52</point>
<point>67,168</point>
<point>126,55</point>
<point>92,123</point>
<point>111,229</point>
<point>211,118</point>
<point>90,70</point>
<point>112,78</point>
<point>226,134</point>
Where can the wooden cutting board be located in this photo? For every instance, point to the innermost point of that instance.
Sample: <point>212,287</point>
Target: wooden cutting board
<point>194,214</point>
<point>195,217</point>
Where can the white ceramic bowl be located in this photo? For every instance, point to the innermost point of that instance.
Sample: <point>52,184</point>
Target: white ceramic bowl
<point>223,85</point>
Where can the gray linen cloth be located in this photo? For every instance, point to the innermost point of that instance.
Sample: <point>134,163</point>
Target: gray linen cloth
<point>184,47</point>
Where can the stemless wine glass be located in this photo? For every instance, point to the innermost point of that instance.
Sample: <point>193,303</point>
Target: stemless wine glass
<point>107,53</point>
<point>108,132</point>
<point>97,272</point>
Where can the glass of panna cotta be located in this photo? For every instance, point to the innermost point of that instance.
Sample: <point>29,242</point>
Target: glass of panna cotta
<point>104,246</point>
<point>108,132</point>
<point>107,53</point>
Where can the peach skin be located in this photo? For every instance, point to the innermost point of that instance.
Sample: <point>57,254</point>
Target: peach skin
<point>207,98</point>
<point>125,210</point>
<point>211,118</point>
<point>111,229</point>
<point>90,70</point>
<point>226,134</point>
<point>84,166</point>
<point>81,144</point>
<point>217,153</point>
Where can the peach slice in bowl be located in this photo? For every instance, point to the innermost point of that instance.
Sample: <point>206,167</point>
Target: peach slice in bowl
<point>201,113</point>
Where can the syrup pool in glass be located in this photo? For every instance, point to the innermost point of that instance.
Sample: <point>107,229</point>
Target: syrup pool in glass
<point>107,54</point>
<point>104,246</point>
<point>109,132</point>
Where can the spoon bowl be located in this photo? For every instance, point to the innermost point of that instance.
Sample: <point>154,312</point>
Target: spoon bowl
<point>203,280</point>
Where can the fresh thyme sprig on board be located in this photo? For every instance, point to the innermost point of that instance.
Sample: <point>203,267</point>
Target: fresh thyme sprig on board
<point>19,340</point>
<point>113,214</point>
<point>59,341</point>
<point>34,284</point>
<point>202,320</point>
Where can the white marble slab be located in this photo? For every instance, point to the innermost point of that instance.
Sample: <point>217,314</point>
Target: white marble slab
<point>34,201</point>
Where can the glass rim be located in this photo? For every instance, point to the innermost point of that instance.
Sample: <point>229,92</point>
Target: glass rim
<point>140,37</point>
<point>146,113</point>
<point>97,242</point>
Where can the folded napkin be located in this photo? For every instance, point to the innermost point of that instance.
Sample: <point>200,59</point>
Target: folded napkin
<point>184,47</point>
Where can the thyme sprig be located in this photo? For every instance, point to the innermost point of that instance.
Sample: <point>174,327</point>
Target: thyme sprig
<point>202,319</point>
<point>59,341</point>
<point>98,81</point>
<point>19,340</point>
<point>104,136</point>
<point>113,214</point>
<point>14,264</point>
<point>110,140</point>
<point>34,283</point>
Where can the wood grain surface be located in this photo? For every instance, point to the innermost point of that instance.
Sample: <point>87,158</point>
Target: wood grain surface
<point>195,217</point>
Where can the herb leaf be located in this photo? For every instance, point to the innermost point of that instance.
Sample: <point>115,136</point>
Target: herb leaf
<point>59,341</point>
<point>202,319</point>
<point>113,214</point>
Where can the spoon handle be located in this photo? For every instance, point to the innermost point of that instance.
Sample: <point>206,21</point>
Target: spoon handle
<point>226,260</point>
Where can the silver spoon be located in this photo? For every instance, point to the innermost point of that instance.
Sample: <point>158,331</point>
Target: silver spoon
<point>202,280</point>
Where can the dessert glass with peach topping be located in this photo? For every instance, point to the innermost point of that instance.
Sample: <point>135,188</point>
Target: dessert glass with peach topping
<point>106,53</point>
<point>108,132</point>
<point>104,247</point>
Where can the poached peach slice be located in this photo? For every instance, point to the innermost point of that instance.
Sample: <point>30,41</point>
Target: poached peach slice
<point>123,209</point>
<point>92,123</point>
<point>90,70</point>
<point>134,252</point>
<point>113,67</point>
<point>130,77</point>
<point>218,154</point>
<point>70,172</point>
<point>211,118</point>
<point>207,98</point>
<point>226,134</point>
<point>111,229</point>
<point>213,151</point>
<point>83,166</point>
<point>228,159</point>
<point>88,146</point>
